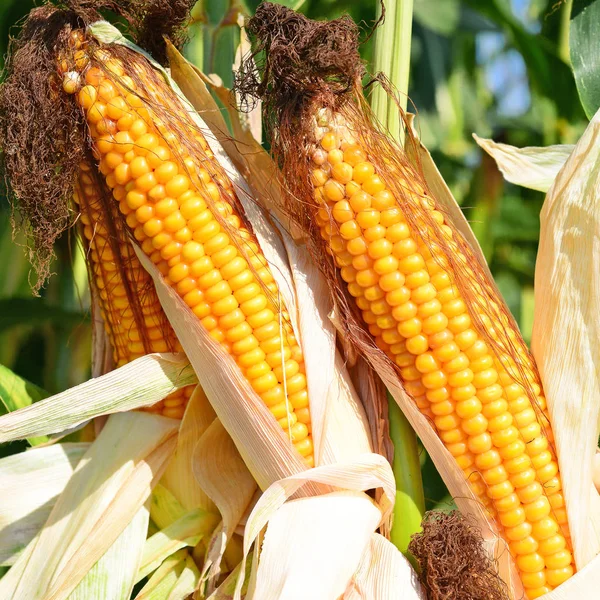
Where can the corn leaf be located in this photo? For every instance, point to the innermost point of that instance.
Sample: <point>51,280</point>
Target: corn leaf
<point>110,484</point>
<point>165,578</point>
<point>188,530</point>
<point>566,331</point>
<point>113,576</point>
<point>15,393</point>
<point>585,54</point>
<point>384,573</point>
<point>29,312</point>
<point>31,483</point>
<point>142,382</point>
<point>533,167</point>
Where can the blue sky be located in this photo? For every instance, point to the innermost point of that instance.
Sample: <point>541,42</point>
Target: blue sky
<point>506,74</point>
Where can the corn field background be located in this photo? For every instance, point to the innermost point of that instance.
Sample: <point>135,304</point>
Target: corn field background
<point>498,68</point>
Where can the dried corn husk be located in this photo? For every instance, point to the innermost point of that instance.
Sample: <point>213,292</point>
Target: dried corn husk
<point>383,573</point>
<point>142,382</point>
<point>110,484</point>
<point>566,331</point>
<point>31,483</point>
<point>533,167</point>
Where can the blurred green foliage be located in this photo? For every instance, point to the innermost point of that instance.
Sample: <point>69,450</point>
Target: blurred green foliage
<point>499,68</point>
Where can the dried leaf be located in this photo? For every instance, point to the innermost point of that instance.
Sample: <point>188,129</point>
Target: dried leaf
<point>533,167</point>
<point>113,576</point>
<point>110,484</point>
<point>368,471</point>
<point>142,382</point>
<point>186,531</point>
<point>313,546</point>
<point>178,477</point>
<point>221,472</point>
<point>30,483</point>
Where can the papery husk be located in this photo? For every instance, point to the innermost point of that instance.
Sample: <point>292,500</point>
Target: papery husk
<point>188,581</point>
<point>369,471</point>
<point>31,483</point>
<point>222,473</point>
<point>186,531</point>
<point>384,573</point>
<point>109,486</point>
<point>533,167</point>
<point>178,477</point>
<point>165,578</point>
<point>226,590</point>
<point>313,546</point>
<point>113,576</point>
<point>566,331</point>
<point>140,383</point>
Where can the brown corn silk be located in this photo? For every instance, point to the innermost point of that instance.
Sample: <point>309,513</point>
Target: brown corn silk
<point>453,562</point>
<point>180,206</point>
<point>408,285</point>
<point>131,312</point>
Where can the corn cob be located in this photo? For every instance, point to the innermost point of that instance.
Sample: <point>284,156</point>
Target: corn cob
<point>183,214</point>
<point>406,291</point>
<point>130,309</point>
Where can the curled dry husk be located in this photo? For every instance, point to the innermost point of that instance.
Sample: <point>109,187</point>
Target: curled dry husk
<point>342,436</point>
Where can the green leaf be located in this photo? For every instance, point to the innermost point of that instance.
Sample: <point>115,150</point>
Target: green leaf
<point>33,312</point>
<point>548,74</point>
<point>16,393</point>
<point>585,52</point>
<point>441,16</point>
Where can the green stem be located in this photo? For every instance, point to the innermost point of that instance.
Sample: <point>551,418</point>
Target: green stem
<point>410,502</point>
<point>392,58</point>
<point>565,26</point>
